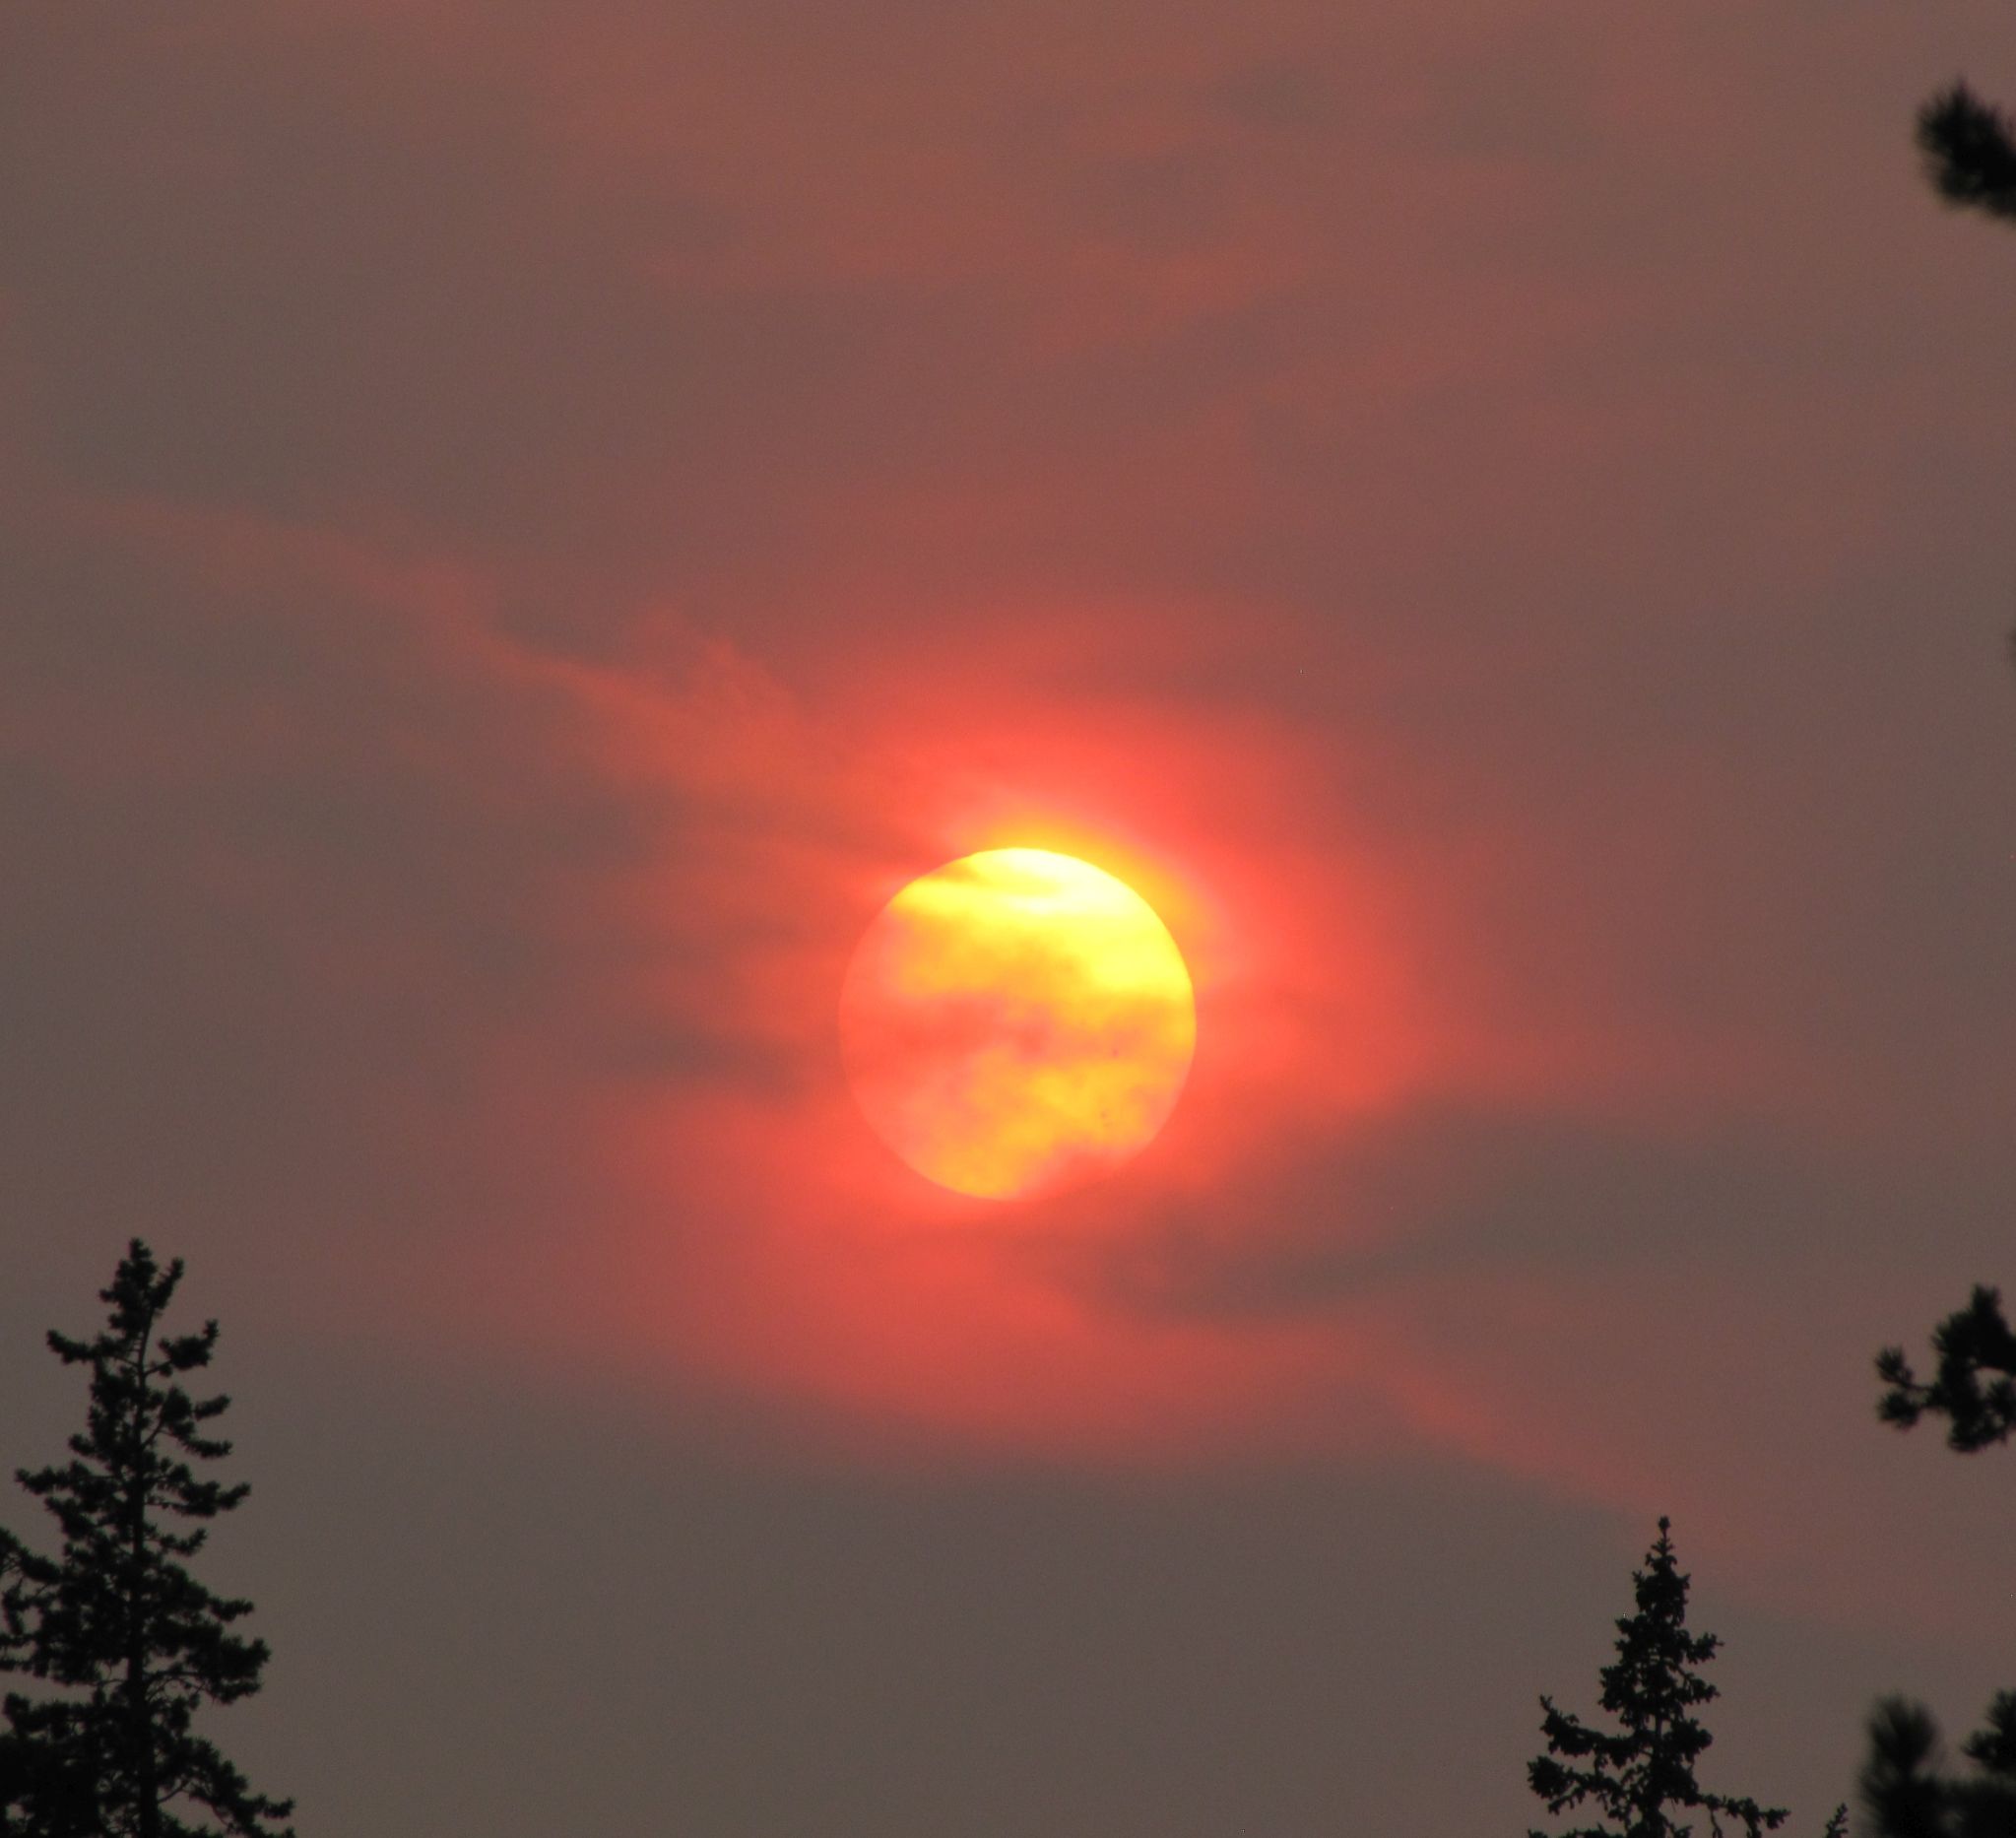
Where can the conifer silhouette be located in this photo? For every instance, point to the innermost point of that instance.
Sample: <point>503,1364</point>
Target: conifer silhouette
<point>1640,1778</point>
<point>126,1644</point>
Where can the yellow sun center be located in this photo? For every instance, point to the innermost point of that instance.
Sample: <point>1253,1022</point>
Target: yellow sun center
<point>1017,1022</point>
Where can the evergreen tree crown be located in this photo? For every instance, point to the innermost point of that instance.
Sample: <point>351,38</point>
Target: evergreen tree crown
<point>132,1643</point>
<point>1637,1778</point>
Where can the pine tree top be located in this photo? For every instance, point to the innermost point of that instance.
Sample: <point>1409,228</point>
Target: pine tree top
<point>114,1617</point>
<point>1639,1775</point>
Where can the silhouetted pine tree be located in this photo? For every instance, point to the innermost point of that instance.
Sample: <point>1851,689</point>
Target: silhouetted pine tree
<point>1639,1778</point>
<point>1969,152</point>
<point>1905,1786</point>
<point>1901,1786</point>
<point>126,1643</point>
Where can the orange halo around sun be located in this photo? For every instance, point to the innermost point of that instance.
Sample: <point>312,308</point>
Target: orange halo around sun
<point>1017,1022</point>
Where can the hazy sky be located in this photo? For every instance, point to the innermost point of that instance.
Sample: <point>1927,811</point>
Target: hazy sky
<point>520,526</point>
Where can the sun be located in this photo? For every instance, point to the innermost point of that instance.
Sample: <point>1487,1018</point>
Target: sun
<point>1016,1022</point>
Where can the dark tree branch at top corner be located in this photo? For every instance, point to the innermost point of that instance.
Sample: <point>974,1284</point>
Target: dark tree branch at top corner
<point>1970,150</point>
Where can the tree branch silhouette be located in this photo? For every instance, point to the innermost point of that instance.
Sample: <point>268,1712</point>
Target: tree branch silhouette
<point>1905,1787</point>
<point>1973,1343</point>
<point>1970,150</point>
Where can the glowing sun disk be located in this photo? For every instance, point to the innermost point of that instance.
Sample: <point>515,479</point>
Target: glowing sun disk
<point>1017,1022</point>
